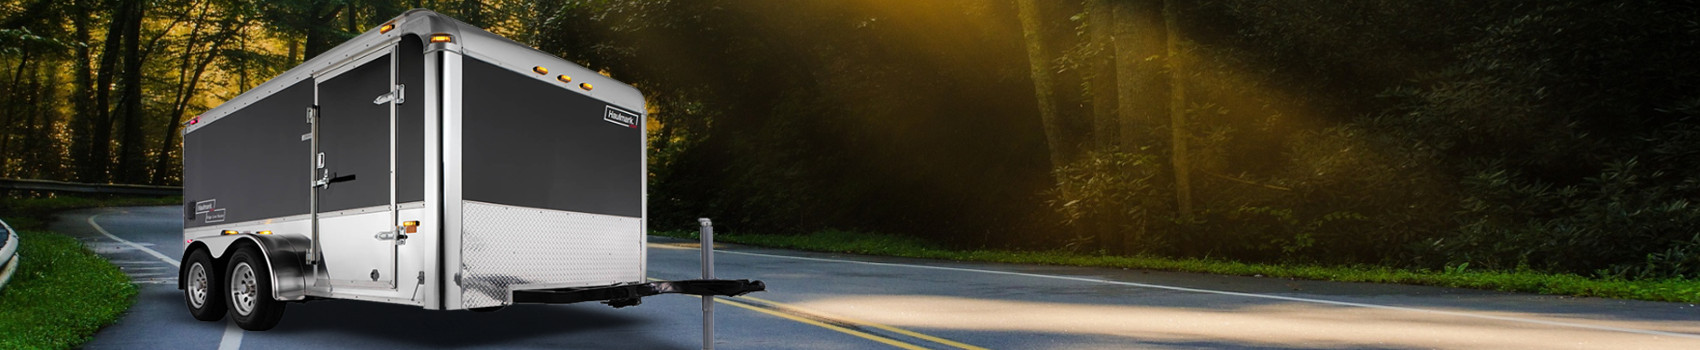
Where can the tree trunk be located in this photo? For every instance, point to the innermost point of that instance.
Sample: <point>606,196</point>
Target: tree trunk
<point>11,111</point>
<point>321,33</point>
<point>1141,89</point>
<point>130,144</point>
<point>1100,25</point>
<point>100,145</point>
<point>352,17</point>
<point>1038,62</point>
<point>83,115</point>
<point>1177,112</point>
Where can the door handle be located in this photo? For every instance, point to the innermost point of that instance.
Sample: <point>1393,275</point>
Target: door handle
<point>327,178</point>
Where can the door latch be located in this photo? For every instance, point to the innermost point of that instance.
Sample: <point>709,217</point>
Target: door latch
<point>391,235</point>
<point>399,95</point>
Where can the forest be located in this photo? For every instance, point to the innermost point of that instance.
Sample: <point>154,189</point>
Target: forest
<point>1556,136</point>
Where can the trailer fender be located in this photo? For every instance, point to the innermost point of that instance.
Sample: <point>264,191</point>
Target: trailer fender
<point>284,256</point>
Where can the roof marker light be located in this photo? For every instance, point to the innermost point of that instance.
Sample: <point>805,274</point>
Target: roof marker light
<point>540,70</point>
<point>386,28</point>
<point>442,38</point>
<point>585,86</point>
<point>564,79</point>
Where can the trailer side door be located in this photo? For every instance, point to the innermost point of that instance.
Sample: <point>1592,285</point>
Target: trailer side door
<point>356,211</point>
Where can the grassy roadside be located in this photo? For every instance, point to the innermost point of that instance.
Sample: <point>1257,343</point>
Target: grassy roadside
<point>63,292</point>
<point>1674,290</point>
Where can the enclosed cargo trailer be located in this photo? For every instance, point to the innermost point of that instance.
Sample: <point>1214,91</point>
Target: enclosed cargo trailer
<point>426,162</point>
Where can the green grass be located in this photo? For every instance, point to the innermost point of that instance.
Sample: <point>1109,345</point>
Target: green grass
<point>62,293</point>
<point>1675,290</point>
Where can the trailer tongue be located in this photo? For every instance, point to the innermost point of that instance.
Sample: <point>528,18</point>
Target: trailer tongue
<point>629,294</point>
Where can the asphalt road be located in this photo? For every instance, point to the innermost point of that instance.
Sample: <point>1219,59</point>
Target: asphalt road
<point>828,301</point>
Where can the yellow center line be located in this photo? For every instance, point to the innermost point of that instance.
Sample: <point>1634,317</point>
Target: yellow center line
<point>864,335</point>
<point>870,324</point>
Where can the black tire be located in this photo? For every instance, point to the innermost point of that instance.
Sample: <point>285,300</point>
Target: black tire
<point>202,281</point>
<point>249,291</point>
<point>487,308</point>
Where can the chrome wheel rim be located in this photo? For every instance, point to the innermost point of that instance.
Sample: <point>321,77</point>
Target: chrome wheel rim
<point>243,288</point>
<point>197,286</point>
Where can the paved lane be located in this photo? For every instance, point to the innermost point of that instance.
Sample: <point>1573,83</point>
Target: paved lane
<point>827,301</point>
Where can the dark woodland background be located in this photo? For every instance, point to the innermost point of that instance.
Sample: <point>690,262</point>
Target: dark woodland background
<point>1557,136</point>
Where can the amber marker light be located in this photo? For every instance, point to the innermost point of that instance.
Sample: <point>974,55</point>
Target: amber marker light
<point>540,70</point>
<point>266,232</point>
<point>564,79</point>
<point>386,28</point>
<point>229,232</point>
<point>410,226</point>
<point>442,38</point>
<point>586,86</point>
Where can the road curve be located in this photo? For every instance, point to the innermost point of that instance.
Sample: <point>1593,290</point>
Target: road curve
<point>831,301</point>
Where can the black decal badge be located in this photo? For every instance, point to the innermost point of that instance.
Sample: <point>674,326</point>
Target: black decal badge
<point>620,117</point>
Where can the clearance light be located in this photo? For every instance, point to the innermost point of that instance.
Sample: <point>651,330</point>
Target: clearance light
<point>564,79</point>
<point>540,70</point>
<point>230,232</point>
<point>386,28</point>
<point>585,86</point>
<point>267,232</point>
<point>410,226</point>
<point>442,38</point>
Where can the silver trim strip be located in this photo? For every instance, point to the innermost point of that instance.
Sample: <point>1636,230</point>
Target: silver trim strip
<point>365,56</point>
<point>453,223</point>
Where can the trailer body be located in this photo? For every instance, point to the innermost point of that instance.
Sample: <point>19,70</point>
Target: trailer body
<point>426,162</point>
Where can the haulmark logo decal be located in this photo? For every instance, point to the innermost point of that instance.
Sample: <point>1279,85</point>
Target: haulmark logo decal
<point>210,209</point>
<point>620,117</point>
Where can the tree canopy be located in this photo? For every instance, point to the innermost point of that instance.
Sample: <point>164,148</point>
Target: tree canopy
<point>1550,135</point>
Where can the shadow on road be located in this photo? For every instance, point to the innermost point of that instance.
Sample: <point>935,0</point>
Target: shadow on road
<point>411,326</point>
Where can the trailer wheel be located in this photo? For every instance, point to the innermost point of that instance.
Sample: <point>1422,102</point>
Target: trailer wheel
<point>250,291</point>
<point>200,286</point>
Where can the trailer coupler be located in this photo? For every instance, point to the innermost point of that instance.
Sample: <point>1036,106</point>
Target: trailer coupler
<point>630,294</point>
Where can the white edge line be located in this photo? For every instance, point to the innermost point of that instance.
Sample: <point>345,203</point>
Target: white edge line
<point>232,338</point>
<point>1252,295</point>
<point>155,254</point>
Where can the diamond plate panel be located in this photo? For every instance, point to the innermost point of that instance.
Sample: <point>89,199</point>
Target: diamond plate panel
<point>505,247</point>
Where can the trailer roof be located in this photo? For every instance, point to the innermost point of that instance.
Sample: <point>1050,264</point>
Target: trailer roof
<point>469,40</point>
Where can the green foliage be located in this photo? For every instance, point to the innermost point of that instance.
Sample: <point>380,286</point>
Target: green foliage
<point>60,295</point>
<point>1111,197</point>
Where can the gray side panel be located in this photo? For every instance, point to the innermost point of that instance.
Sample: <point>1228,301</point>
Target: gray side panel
<point>355,137</point>
<point>253,164</point>
<point>410,120</point>
<point>533,144</point>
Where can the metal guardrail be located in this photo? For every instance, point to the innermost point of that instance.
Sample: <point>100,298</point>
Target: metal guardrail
<point>8,254</point>
<point>61,186</point>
